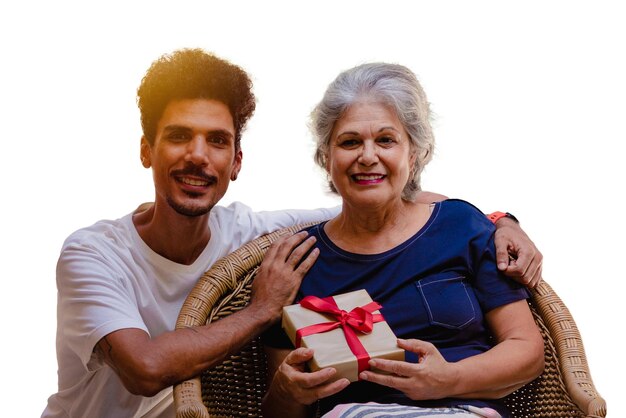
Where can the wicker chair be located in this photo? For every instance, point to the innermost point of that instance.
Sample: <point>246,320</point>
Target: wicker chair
<point>235,388</point>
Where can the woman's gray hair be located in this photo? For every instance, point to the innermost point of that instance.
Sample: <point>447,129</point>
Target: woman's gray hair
<point>391,84</point>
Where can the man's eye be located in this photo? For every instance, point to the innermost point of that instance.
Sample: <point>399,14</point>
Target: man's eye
<point>177,136</point>
<point>218,139</point>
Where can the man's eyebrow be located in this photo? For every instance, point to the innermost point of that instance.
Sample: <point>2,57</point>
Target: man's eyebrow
<point>221,131</point>
<point>170,128</point>
<point>176,128</point>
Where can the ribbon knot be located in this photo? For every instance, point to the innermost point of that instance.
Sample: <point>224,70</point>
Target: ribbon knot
<point>344,318</point>
<point>360,319</point>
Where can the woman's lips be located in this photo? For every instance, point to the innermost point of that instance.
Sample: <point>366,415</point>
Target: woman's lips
<point>368,178</point>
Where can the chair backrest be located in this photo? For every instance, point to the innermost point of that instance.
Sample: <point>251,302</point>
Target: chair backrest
<point>235,387</point>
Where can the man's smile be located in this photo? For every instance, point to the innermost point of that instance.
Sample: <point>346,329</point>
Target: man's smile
<point>193,182</point>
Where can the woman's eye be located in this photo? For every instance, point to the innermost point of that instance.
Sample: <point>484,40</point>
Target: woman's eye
<point>348,143</point>
<point>386,140</point>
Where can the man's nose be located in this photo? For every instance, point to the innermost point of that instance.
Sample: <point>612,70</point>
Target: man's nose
<point>197,150</point>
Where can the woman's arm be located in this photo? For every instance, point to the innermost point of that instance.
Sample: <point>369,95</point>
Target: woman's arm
<point>516,359</point>
<point>291,388</point>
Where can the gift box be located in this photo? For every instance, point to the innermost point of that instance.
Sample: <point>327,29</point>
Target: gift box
<point>345,331</point>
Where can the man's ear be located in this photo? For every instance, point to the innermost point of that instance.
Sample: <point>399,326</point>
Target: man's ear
<point>236,166</point>
<point>145,153</point>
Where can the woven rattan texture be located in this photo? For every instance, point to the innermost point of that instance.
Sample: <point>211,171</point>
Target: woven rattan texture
<point>235,388</point>
<point>546,396</point>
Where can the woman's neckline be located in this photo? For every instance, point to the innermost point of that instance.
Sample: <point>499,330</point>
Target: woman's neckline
<point>435,208</point>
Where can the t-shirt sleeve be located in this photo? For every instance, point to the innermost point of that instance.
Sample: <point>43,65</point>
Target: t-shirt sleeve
<point>493,288</point>
<point>92,301</point>
<point>246,225</point>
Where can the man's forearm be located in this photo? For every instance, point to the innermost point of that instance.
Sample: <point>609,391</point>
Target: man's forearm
<point>147,365</point>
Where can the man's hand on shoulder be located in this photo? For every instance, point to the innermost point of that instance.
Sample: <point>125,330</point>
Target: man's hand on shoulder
<point>517,256</point>
<point>281,272</point>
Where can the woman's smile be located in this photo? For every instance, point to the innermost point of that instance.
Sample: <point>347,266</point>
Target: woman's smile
<point>366,179</point>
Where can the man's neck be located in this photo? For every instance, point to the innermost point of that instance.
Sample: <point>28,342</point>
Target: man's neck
<point>176,237</point>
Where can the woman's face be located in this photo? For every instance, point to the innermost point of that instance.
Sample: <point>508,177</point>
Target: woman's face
<point>370,155</point>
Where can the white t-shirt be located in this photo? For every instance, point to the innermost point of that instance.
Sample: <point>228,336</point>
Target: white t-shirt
<point>109,279</point>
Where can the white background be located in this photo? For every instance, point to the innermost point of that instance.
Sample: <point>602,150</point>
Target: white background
<point>530,100</point>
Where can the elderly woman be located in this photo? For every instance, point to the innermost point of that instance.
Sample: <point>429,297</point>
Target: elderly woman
<point>468,333</point>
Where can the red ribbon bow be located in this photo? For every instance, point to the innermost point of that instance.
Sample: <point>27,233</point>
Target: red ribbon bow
<point>358,319</point>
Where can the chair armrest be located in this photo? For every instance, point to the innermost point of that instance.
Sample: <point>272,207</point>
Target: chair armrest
<point>571,353</point>
<point>213,292</point>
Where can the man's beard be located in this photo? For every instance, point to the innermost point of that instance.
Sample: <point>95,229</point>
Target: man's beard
<point>186,210</point>
<point>191,169</point>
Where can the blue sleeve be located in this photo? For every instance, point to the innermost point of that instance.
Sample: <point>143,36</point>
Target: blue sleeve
<point>492,288</point>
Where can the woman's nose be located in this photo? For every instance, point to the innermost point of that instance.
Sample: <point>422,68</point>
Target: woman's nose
<point>368,155</point>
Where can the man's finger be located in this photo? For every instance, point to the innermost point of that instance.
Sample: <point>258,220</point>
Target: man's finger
<point>306,264</point>
<point>281,249</point>
<point>523,262</point>
<point>519,266</point>
<point>536,277</point>
<point>502,256</point>
<point>286,245</point>
<point>300,251</point>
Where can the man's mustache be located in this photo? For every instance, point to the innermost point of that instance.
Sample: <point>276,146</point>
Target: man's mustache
<point>195,171</point>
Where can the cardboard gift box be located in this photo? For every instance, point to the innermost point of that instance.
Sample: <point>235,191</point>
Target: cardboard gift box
<point>330,327</point>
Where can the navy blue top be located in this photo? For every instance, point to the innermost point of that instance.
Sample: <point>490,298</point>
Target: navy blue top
<point>436,287</point>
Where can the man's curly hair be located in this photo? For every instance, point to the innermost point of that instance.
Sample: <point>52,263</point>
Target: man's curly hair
<point>194,74</point>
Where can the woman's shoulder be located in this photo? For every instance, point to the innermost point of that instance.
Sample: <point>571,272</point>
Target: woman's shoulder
<point>464,211</point>
<point>460,205</point>
<point>315,229</point>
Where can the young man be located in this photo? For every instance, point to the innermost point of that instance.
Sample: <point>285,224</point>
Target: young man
<point>121,283</point>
